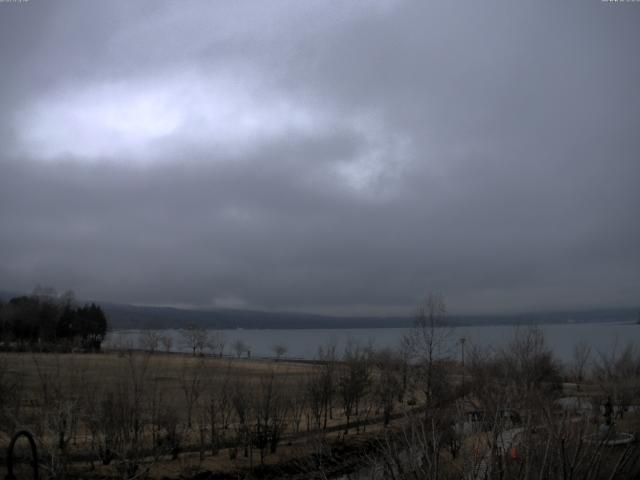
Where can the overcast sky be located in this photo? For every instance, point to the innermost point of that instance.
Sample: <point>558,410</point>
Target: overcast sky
<point>335,157</point>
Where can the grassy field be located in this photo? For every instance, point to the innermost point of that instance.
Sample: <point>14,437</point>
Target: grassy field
<point>131,414</point>
<point>155,398</point>
<point>78,371</point>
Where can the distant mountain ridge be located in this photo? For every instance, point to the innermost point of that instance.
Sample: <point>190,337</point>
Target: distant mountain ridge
<point>125,316</point>
<point>129,316</point>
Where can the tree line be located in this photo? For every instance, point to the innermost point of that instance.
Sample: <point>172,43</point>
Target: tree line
<point>46,321</point>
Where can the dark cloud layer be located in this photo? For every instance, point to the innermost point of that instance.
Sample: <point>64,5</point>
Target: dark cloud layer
<point>331,157</point>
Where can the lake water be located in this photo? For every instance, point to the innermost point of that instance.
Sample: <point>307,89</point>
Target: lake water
<point>304,343</point>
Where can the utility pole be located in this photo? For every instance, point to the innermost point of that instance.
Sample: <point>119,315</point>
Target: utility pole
<point>462,340</point>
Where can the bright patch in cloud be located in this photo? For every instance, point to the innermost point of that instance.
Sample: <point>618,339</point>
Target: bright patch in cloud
<point>376,169</point>
<point>147,120</point>
<point>99,121</point>
<point>132,117</point>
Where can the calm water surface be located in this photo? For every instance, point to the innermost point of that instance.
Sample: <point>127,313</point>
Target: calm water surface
<point>304,343</point>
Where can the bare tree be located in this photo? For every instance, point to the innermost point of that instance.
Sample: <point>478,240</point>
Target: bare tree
<point>428,345</point>
<point>59,406</point>
<point>167,343</point>
<point>270,410</point>
<point>192,385</point>
<point>216,343</point>
<point>219,408</point>
<point>172,431</point>
<point>194,338</point>
<point>11,388</point>
<point>138,366</point>
<point>354,378</point>
<point>326,380</point>
<point>387,382</point>
<point>618,375</point>
<point>149,340</point>
<point>242,404</point>
<point>155,407</point>
<point>240,347</point>
<point>315,393</point>
<point>580,360</point>
<point>298,404</point>
<point>118,418</point>
<point>528,363</point>
<point>280,350</point>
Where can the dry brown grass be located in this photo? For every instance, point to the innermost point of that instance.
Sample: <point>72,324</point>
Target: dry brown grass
<point>107,367</point>
<point>88,378</point>
<point>75,373</point>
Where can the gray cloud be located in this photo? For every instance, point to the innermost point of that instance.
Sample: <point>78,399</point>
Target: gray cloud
<point>322,157</point>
